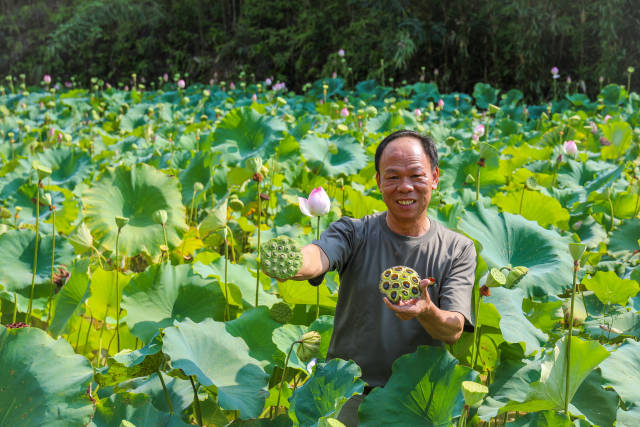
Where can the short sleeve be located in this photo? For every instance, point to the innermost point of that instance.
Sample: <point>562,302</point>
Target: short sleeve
<point>337,242</point>
<point>456,293</point>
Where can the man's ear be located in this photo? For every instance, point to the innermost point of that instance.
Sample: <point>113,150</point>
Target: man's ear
<point>378,180</point>
<point>436,178</point>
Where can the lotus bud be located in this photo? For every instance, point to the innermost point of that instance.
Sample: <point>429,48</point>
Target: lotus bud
<point>515,275</point>
<point>5,213</point>
<point>495,278</point>
<point>254,164</point>
<point>198,187</point>
<point>570,148</point>
<point>160,217</point>
<point>473,392</point>
<point>531,184</point>
<point>317,204</point>
<point>47,199</point>
<point>309,346</point>
<point>121,221</point>
<point>333,148</point>
<point>576,250</point>
<point>42,170</point>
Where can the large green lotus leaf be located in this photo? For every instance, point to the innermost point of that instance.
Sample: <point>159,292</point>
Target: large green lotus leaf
<point>135,194</point>
<point>71,297</point>
<point>294,292</point>
<point>515,327</point>
<point>180,391</point>
<point>16,263</point>
<point>385,122</point>
<point>324,394</point>
<point>626,322</point>
<point>610,289</point>
<point>630,418</point>
<point>284,336</point>
<point>622,370</point>
<point>620,135</point>
<point>594,402</point>
<point>425,388</point>
<point>338,155</point>
<point>69,166</point>
<point>625,237</point>
<point>543,209</point>
<point>484,95</point>
<point>42,381</point>
<point>585,356</point>
<point>511,239</point>
<point>209,352</point>
<point>164,293</point>
<point>255,327</point>
<point>135,408</point>
<point>542,419</point>
<point>248,133</point>
<point>118,372</point>
<point>198,170</point>
<point>238,276</point>
<point>359,205</point>
<point>103,300</point>
<point>613,95</point>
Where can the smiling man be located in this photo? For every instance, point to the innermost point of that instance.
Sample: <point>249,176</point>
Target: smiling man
<point>367,327</point>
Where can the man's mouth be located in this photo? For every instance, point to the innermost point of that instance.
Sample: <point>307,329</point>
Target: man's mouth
<point>406,202</point>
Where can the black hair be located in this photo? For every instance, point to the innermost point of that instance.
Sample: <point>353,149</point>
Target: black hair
<point>427,144</point>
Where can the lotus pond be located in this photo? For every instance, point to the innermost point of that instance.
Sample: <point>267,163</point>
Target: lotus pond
<point>129,235</point>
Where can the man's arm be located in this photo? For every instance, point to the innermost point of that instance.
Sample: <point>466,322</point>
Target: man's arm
<point>314,263</point>
<point>441,324</point>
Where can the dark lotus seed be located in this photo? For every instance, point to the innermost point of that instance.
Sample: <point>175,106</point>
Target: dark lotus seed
<point>397,268</point>
<point>387,273</point>
<point>394,277</point>
<point>415,291</point>
<point>385,285</point>
<point>406,284</point>
<point>393,295</point>
<point>395,286</point>
<point>415,280</point>
<point>405,293</point>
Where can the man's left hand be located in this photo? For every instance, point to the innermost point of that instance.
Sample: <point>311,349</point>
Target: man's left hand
<point>409,309</point>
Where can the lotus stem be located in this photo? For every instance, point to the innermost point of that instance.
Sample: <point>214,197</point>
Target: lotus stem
<point>166,392</point>
<point>117,294</point>
<point>164,233</point>
<point>576,266</point>
<point>226,283</point>
<point>196,401</point>
<point>53,253</point>
<point>193,201</point>
<point>635,211</point>
<point>35,252</point>
<point>318,287</point>
<point>284,372</point>
<point>476,329</point>
<point>524,188</point>
<point>86,338</point>
<point>15,306</point>
<point>610,208</point>
<point>75,347</point>
<point>478,183</point>
<point>258,252</point>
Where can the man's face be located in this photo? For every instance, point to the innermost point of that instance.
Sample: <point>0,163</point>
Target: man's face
<point>406,180</point>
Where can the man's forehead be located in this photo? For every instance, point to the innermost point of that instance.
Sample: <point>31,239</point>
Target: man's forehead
<point>407,149</point>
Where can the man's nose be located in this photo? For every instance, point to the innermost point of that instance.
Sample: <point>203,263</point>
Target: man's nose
<point>405,185</point>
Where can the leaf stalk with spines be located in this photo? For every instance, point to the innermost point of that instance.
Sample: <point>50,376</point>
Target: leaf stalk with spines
<point>258,249</point>
<point>35,252</point>
<point>226,283</point>
<point>120,222</point>
<point>53,254</point>
<point>196,401</point>
<point>284,372</point>
<point>318,287</point>
<point>576,250</point>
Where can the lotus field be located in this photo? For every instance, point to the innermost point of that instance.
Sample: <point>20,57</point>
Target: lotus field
<point>130,279</point>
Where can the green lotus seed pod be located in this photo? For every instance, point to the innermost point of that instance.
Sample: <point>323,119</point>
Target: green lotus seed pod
<point>235,203</point>
<point>197,187</point>
<point>281,312</point>
<point>42,170</point>
<point>121,221</point>
<point>309,346</point>
<point>473,392</point>
<point>5,213</point>
<point>281,257</point>
<point>160,216</point>
<point>577,249</point>
<point>400,283</point>
<point>515,275</point>
<point>495,278</point>
<point>47,199</point>
<point>254,164</point>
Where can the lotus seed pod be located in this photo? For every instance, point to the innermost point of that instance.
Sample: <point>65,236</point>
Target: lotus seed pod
<point>515,275</point>
<point>309,346</point>
<point>577,249</point>
<point>473,392</point>
<point>121,221</point>
<point>254,164</point>
<point>198,186</point>
<point>42,170</point>
<point>160,216</point>
<point>495,278</point>
<point>281,312</point>
<point>235,203</point>
<point>5,213</point>
<point>47,199</point>
<point>400,283</point>
<point>281,257</point>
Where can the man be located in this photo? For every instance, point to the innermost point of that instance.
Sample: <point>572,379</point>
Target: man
<point>367,327</point>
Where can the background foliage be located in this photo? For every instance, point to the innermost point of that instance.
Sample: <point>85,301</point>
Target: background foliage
<point>507,44</point>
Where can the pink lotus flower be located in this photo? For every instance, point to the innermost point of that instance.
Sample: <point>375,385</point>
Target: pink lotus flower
<point>165,77</point>
<point>68,84</point>
<point>268,81</point>
<point>436,72</point>
<point>254,98</point>
<point>181,84</point>
<point>594,128</point>
<point>341,52</point>
<point>334,75</point>
<point>232,86</point>
<point>441,103</point>
<point>601,79</point>
<point>570,148</point>
<point>344,112</point>
<point>606,118</point>
<point>554,73</point>
<point>46,78</point>
<point>569,80</point>
<point>479,130</point>
<point>417,112</point>
<point>317,204</point>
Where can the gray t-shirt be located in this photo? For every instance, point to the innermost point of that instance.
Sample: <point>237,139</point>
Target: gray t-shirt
<point>365,330</point>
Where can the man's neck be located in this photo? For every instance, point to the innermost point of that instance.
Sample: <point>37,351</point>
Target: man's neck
<point>412,229</point>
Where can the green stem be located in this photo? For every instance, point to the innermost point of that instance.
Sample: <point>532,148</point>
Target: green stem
<point>610,208</point>
<point>258,249</point>
<point>522,198</point>
<point>226,284</point>
<point>53,253</point>
<point>166,392</point>
<point>86,337</point>
<point>478,183</point>
<point>164,233</point>
<point>196,401</point>
<point>318,287</point>
<point>117,305</point>
<point>35,252</point>
<point>476,299</point>
<point>15,307</point>
<point>284,372</point>
<point>635,211</point>
<point>193,201</point>
<point>75,347</point>
<point>576,265</point>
